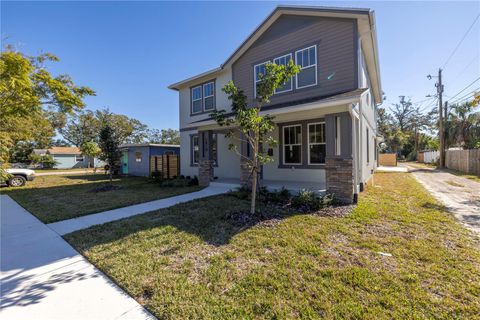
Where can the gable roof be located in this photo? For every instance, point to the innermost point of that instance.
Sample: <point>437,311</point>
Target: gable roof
<point>367,32</point>
<point>64,150</point>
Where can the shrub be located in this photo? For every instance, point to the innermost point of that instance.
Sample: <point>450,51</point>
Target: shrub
<point>46,161</point>
<point>309,201</point>
<point>174,182</point>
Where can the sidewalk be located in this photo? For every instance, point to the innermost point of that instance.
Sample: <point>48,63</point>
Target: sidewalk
<point>43,277</point>
<point>71,225</point>
<point>71,172</point>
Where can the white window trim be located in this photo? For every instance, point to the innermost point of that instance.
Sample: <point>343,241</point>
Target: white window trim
<point>192,148</point>
<point>338,137</point>
<point>291,79</point>
<point>199,99</point>
<point>255,77</point>
<point>310,66</point>
<point>292,144</point>
<point>205,97</point>
<point>315,143</point>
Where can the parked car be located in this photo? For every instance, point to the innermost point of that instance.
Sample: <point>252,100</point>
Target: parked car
<point>18,177</point>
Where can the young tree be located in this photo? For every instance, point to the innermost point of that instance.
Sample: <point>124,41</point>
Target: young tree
<point>109,144</point>
<point>91,150</point>
<point>250,123</point>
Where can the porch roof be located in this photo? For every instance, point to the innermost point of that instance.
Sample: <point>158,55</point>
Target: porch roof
<point>304,105</point>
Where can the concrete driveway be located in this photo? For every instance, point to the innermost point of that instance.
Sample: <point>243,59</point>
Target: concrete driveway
<point>461,196</point>
<point>43,277</point>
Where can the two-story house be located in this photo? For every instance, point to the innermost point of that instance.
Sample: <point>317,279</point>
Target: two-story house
<point>325,116</point>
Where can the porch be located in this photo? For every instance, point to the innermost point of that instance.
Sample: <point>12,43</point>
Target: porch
<point>294,187</point>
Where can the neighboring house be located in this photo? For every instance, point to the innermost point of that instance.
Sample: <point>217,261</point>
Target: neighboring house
<point>70,157</point>
<point>138,158</point>
<point>325,116</point>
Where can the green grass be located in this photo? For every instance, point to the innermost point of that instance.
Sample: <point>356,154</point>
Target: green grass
<point>189,262</point>
<point>59,197</point>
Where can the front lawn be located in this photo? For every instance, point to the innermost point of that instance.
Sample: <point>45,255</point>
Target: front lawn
<point>59,197</point>
<point>190,262</point>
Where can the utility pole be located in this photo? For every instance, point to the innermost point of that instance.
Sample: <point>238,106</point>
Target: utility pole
<point>441,132</point>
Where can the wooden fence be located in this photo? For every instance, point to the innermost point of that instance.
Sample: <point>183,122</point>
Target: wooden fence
<point>387,159</point>
<point>467,161</point>
<point>167,164</point>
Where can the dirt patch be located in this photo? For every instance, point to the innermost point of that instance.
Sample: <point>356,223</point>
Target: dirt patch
<point>455,184</point>
<point>336,211</point>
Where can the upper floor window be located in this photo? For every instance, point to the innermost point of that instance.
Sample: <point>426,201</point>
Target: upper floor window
<point>203,97</point>
<point>259,71</point>
<point>209,96</point>
<point>307,60</point>
<point>197,99</point>
<point>283,61</point>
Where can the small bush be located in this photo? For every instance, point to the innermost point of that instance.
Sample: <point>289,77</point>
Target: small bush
<point>308,201</point>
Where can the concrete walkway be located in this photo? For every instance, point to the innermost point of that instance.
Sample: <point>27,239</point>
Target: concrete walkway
<point>391,169</point>
<point>43,277</point>
<point>67,226</point>
<point>461,196</point>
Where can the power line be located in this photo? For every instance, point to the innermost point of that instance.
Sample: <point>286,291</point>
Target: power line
<point>467,66</point>
<point>463,38</point>
<point>465,88</point>
<point>467,96</point>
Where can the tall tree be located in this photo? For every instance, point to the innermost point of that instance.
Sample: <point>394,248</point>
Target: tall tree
<point>166,136</point>
<point>127,130</point>
<point>80,128</point>
<point>109,144</point>
<point>462,126</point>
<point>30,98</point>
<point>247,120</point>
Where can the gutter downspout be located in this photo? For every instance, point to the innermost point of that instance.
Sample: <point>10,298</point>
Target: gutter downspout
<point>355,155</point>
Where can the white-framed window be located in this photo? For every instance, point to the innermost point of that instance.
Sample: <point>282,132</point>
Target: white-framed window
<point>338,146</point>
<point>292,144</point>
<point>283,61</point>
<point>208,96</point>
<point>316,143</point>
<point>197,99</point>
<point>138,156</point>
<point>194,149</point>
<point>307,60</point>
<point>258,71</point>
<point>79,158</point>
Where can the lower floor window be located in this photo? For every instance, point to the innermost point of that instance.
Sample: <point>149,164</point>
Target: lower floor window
<point>79,158</point>
<point>138,156</point>
<point>195,149</point>
<point>292,144</point>
<point>316,143</point>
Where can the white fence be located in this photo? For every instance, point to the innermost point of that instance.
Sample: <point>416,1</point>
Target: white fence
<point>431,156</point>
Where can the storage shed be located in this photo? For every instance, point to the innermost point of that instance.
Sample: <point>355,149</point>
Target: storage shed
<point>141,159</point>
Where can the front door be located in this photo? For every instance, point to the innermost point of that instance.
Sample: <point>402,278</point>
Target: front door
<point>125,162</point>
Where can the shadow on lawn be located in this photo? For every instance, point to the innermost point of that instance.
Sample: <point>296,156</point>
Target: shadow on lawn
<point>205,218</point>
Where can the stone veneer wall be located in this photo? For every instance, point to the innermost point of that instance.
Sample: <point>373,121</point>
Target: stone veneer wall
<point>339,176</point>
<point>205,172</point>
<point>245,173</point>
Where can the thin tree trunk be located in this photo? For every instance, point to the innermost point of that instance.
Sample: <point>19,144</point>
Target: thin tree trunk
<point>110,173</point>
<point>254,191</point>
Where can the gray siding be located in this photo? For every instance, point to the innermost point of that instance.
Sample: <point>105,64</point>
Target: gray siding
<point>336,41</point>
<point>345,135</point>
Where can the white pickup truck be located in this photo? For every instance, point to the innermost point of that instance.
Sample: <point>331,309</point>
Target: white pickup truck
<point>18,177</point>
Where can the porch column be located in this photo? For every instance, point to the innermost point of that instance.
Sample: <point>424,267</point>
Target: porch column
<point>339,156</point>
<point>205,162</point>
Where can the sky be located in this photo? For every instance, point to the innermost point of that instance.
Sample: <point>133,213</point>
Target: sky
<point>129,52</point>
